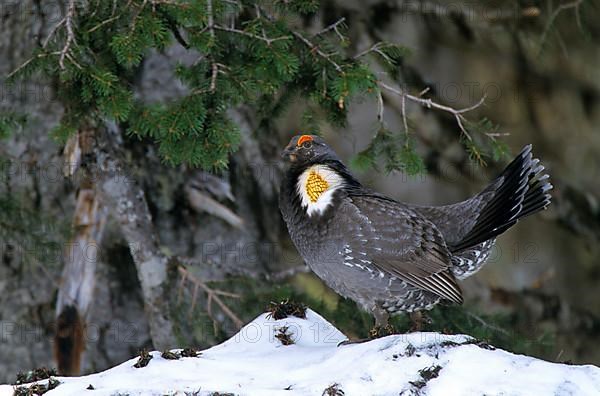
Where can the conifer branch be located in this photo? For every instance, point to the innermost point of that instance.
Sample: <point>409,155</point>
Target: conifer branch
<point>334,26</point>
<point>111,19</point>
<point>136,16</point>
<point>314,48</point>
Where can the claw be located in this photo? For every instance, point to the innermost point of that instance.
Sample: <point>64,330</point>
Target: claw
<point>382,331</point>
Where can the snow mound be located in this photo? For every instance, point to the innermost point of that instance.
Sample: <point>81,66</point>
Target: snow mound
<point>256,361</point>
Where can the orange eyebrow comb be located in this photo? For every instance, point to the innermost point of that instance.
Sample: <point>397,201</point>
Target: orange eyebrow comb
<point>304,138</point>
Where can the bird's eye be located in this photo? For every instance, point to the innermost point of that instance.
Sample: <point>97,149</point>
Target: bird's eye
<point>307,144</point>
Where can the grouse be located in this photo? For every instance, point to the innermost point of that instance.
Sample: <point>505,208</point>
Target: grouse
<point>389,256</point>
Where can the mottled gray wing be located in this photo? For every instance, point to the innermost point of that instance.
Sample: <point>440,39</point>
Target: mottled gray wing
<point>454,221</point>
<point>398,241</point>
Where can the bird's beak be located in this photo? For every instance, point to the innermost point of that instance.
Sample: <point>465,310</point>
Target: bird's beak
<point>289,153</point>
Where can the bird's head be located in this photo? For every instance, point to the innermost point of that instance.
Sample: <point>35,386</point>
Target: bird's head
<point>306,150</point>
<point>315,174</point>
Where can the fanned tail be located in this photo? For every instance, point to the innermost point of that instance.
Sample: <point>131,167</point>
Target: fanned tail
<point>521,190</point>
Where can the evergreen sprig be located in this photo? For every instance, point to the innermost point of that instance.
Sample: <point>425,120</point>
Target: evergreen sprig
<point>247,52</point>
<point>394,151</point>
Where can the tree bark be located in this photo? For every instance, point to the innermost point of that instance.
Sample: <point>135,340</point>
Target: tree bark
<point>127,202</point>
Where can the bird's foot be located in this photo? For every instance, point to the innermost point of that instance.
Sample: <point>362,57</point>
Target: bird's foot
<point>374,333</point>
<point>381,331</point>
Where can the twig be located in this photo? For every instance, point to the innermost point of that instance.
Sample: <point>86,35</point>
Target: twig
<point>493,135</point>
<point>210,25</point>
<point>52,32</point>
<point>365,52</point>
<point>251,35</point>
<point>486,324</point>
<point>73,61</point>
<point>404,120</point>
<point>377,49</point>
<point>137,14</point>
<point>28,61</point>
<point>374,48</point>
<point>68,21</point>
<point>379,107</point>
<point>211,20</point>
<point>211,294</point>
<point>106,21</point>
<point>213,77</point>
<point>457,113</point>
<point>112,18</point>
<point>573,4</point>
<point>334,27</point>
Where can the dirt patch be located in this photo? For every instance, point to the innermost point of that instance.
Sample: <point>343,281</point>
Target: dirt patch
<point>284,336</point>
<point>144,359</point>
<point>190,352</point>
<point>426,374</point>
<point>35,375</point>
<point>286,308</point>
<point>37,389</point>
<point>333,390</point>
<point>170,355</point>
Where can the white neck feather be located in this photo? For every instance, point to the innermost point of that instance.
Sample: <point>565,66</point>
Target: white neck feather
<point>323,199</point>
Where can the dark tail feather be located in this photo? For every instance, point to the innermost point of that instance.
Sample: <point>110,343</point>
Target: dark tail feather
<point>69,341</point>
<point>521,190</point>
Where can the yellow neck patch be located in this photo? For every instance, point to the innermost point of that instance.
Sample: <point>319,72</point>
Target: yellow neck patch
<point>315,186</point>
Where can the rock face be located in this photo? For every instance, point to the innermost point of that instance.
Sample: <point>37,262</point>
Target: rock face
<point>301,356</point>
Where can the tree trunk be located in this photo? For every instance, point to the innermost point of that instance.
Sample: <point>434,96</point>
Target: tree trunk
<point>118,190</point>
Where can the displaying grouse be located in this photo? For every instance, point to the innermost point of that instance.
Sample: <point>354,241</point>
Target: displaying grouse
<point>390,256</point>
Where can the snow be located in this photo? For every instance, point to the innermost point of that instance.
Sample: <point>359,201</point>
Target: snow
<point>255,362</point>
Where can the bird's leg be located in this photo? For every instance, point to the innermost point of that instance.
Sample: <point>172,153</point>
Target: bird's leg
<point>418,319</point>
<point>382,327</point>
